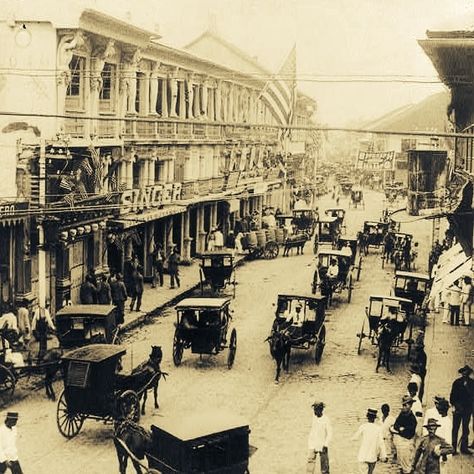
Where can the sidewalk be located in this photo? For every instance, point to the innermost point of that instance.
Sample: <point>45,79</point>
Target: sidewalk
<point>156,299</point>
<point>448,348</point>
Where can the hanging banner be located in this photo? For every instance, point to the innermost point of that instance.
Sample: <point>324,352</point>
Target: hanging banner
<point>378,161</point>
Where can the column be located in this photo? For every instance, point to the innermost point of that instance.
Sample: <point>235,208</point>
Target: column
<point>211,104</point>
<point>151,171</point>
<point>186,248</point>
<point>237,104</point>
<point>153,80</point>
<point>169,230</point>
<point>200,247</point>
<point>145,94</point>
<point>196,100</point>
<point>143,174</point>
<point>204,98</point>
<point>173,82</point>
<point>214,214</point>
<point>190,97</point>
<point>182,100</point>
<point>132,91</point>
<point>129,179</point>
<point>217,100</point>
<point>164,97</point>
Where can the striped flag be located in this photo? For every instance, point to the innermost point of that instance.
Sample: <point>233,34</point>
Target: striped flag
<point>65,184</point>
<point>279,93</point>
<point>97,169</point>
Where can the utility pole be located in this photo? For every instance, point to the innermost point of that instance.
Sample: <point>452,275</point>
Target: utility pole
<point>42,205</point>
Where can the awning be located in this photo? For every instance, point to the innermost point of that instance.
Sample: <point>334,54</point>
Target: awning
<point>449,255</point>
<point>452,269</point>
<point>132,220</point>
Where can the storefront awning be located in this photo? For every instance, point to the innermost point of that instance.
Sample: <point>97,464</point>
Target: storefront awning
<point>451,270</point>
<point>132,220</point>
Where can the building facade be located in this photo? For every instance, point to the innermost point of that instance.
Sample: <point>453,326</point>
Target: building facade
<point>122,144</point>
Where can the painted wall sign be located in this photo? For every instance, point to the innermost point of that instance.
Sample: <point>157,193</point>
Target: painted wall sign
<point>13,208</point>
<point>134,200</point>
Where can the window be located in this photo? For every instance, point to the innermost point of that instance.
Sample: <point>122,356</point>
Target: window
<point>139,96</point>
<point>107,93</point>
<point>75,89</point>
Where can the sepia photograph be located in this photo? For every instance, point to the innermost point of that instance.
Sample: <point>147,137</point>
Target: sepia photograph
<point>236,236</point>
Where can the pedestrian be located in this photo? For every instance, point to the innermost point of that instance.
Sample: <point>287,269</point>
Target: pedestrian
<point>238,243</point>
<point>40,325</point>
<point>387,422</point>
<point>119,296</point>
<point>466,299</point>
<point>138,289</point>
<point>103,291</point>
<point>24,325</point>
<point>404,430</point>
<point>455,303</point>
<point>429,450</point>
<point>173,267</point>
<point>462,400</point>
<point>211,238</point>
<point>158,263</point>
<point>444,304</point>
<point>8,449</point>
<point>416,408</point>
<point>218,239</point>
<point>372,446</point>
<point>88,291</point>
<point>319,439</point>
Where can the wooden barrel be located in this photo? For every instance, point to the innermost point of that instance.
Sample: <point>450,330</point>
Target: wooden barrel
<point>252,239</point>
<point>280,235</point>
<point>261,238</point>
<point>271,237</point>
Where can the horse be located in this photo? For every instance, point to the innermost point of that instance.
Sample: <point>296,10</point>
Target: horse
<point>292,241</point>
<point>386,336</point>
<point>148,375</point>
<point>134,442</point>
<point>280,349</point>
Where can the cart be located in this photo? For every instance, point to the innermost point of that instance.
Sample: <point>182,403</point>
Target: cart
<point>305,220</point>
<point>203,442</point>
<point>374,233</point>
<point>329,286</point>
<point>217,270</point>
<point>356,257</point>
<point>338,212</point>
<point>94,388</point>
<point>310,331</point>
<point>396,256</point>
<point>202,325</point>
<point>412,285</point>
<point>82,324</point>
<point>328,231</point>
<point>377,310</point>
<point>260,244</point>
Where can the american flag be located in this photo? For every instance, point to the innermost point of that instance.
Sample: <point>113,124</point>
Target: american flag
<point>97,169</point>
<point>279,93</point>
<point>65,184</point>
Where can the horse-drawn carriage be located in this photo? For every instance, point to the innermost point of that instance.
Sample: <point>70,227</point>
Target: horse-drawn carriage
<point>217,270</point>
<point>412,285</point>
<point>204,442</point>
<point>387,318</point>
<point>346,187</point>
<point>357,198</point>
<point>394,248</point>
<point>356,256</point>
<point>95,389</point>
<point>395,191</point>
<point>338,212</point>
<point>298,324</point>
<point>373,234</point>
<point>328,232</point>
<point>82,324</point>
<point>304,220</point>
<point>333,274</point>
<point>202,325</point>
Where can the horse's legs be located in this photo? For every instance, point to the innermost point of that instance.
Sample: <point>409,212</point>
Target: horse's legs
<point>155,394</point>
<point>137,467</point>
<point>144,401</point>
<point>278,364</point>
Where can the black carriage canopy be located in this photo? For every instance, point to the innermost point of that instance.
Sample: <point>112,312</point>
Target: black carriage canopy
<point>95,353</point>
<point>333,253</point>
<point>378,303</point>
<point>203,303</point>
<point>413,275</point>
<point>85,310</point>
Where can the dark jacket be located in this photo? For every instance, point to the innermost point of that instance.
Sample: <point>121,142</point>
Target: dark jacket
<point>104,293</point>
<point>407,421</point>
<point>118,291</point>
<point>462,395</point>
<point>173,261</point>
<point>88,293</point>
<point>425,460</point>
<point>138,282</point>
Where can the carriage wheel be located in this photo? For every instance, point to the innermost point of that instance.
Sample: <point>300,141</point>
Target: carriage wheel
<point>359,268</point>
<point>318,352</point>
<point>178,348</point>
<point>129,406</point>
<point>361,336</point>
<point>232,349</point>
<point>349,289</point>
<point>7,382</point>
<point>271,250</point>
<point>69,424</point>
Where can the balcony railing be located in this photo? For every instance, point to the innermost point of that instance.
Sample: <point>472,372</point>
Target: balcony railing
<point>217,184</point>
<point>188,190</point>
<point>107,128</point>
<point>204,186</point>
<point>75,127</point>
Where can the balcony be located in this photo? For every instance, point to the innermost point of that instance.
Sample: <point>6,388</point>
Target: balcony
<point>217,184</point>
<point>204,186</point>
<point>184,130</point>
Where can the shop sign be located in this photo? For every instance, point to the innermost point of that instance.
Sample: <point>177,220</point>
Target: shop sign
<point>378,161</point>
<point>13,208</point>
<point>134,200</point>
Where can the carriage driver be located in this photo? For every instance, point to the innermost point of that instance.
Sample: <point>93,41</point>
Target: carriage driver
<point>295,318</point>
<point>333,269</point>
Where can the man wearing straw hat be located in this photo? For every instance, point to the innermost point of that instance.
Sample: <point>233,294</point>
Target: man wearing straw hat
<point>8,451</point>
<point>429,450</point>
<point>372,446</point>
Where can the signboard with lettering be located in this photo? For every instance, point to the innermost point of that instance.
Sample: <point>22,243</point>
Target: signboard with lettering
<point>11,209</point>
<point>134,200</point>
<point>383,160</point>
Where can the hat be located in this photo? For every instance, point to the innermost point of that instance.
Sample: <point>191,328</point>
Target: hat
<point>465,369</point>
<point>12,415</point>
<point>317,404</point>
<point>431,423</point>
<point>407,399</point>
<point>371,412</point>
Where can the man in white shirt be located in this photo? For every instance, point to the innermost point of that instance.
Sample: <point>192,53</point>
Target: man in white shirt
<point>218,239</point>
<point>372,445</point>
<point>386,422</point>
<point>318,440</point>
<point>455,303</point>
<point>346,250</point>
<point>295,318</point>
<point>333,269</point>
<point>40,324</point>
<point>8,450</point>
